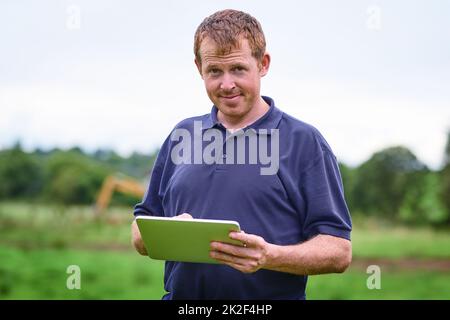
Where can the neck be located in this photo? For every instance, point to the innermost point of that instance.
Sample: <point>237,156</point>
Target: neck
<point>256,112</point>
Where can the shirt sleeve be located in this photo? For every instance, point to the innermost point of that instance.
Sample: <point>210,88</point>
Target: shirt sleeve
<point>151,204</point>
<point>326,209</point>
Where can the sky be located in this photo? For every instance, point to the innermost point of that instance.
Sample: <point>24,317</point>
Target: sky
<point>120,74</point>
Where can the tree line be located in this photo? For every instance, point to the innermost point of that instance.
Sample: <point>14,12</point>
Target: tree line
<point>393,184</point>
<point>66,176</point>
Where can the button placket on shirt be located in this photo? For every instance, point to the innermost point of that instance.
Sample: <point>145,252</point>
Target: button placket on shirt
<point>221,159</point>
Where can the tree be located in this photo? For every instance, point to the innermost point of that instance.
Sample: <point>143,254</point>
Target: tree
<point>382,182</point>
<point>444,190</point>
<point>73,178</point>
<point>422,203</point>
<point>21,175</point>
<point>447,151</point>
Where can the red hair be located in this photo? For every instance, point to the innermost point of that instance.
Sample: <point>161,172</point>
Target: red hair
<point>226,28</point>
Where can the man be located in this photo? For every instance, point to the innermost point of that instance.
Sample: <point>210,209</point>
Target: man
<point>294,217</point>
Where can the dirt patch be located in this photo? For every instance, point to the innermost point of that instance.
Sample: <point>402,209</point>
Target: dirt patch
<point>413,264</point>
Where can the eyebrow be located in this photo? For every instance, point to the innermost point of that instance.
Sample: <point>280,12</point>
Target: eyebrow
<point>234,65</point>
<point>239,64</point>
<point>212,66</point>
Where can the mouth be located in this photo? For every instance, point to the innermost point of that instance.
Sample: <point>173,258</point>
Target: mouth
<point>229,98</point>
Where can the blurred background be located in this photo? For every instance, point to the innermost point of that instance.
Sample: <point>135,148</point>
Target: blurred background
<point>89,91</point>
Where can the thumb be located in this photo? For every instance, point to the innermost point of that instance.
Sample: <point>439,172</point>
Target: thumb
<point>184,216</point>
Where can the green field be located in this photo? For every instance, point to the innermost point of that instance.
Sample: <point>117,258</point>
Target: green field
<point>42,274</point>
<point>38,243</point>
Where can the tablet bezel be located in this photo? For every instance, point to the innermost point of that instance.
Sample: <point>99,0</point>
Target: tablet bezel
<point>184,240</point>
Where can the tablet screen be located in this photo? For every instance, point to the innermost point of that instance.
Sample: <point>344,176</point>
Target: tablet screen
<point>186,240</point>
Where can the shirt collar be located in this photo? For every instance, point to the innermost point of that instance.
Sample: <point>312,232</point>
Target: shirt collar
<point>269,120</point>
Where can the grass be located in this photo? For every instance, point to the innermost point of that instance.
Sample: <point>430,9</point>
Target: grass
<point>38,243</point>
<point>42,274</point>
<point>394,285</point>
<point>373,239</point>
<point>40,226</point>
<point>400,242</point>
<point>37,226</point>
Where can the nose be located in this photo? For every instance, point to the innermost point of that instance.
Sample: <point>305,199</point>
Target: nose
<point>227,83</point>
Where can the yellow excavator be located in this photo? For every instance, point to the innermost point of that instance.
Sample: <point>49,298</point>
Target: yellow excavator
<point>120,183</point>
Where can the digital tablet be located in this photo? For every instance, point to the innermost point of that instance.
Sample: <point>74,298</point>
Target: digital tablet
<point>186,240</point>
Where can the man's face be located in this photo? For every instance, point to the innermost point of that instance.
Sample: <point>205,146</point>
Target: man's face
<point>232,81</point>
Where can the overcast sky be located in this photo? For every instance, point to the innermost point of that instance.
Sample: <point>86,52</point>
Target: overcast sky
<point>120,74</point>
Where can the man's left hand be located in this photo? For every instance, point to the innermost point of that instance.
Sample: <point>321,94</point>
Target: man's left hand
<point>248,258</point>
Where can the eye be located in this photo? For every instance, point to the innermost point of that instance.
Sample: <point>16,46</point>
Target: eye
<point>238,69</point>
<point>214,71</point>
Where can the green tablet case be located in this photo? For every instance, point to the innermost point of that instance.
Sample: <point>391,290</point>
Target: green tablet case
<point>186,240</point>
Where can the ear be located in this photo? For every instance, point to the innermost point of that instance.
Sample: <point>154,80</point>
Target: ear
<point>199,67</point>
<point>264,64</point>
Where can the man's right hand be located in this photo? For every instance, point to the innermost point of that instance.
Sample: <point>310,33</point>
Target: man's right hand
<point>137,239</point>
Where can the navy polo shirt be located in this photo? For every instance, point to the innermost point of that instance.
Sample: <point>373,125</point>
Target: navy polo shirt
<point>304,197</point>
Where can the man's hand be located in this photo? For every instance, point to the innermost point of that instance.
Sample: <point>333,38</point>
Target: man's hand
<point>184,216</point>
<point>137,239</point>
<point>248,258</point>
<point>319,255</point>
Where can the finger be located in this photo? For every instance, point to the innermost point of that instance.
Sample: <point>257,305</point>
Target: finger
<point>230,249</point>
<point>184,216</point>
<point>236,266</point>
<point>227,258</point>
<point>248,239</point>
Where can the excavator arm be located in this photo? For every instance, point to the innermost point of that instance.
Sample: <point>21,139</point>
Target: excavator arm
<point>121,184</point>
